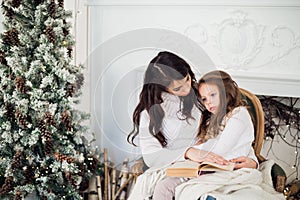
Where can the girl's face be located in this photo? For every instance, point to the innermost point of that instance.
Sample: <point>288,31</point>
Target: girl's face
<point>180,87</point>
<point>210,96</point>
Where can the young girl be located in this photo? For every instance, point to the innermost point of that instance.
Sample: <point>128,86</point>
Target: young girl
<point>166,120</point>
<point>225,129</point>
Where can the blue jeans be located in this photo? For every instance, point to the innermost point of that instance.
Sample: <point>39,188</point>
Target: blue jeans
<point>210,198</point>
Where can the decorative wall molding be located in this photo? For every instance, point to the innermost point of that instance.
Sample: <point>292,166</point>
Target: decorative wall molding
<point>238,40</point>
<point>255,3</point>
<point>285,38</point>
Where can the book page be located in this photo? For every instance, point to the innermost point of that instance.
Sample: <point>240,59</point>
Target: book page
<point>185,164</point>
<point>210,166</point>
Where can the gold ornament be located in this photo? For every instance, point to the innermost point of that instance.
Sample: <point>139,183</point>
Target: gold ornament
<point>65,43</point>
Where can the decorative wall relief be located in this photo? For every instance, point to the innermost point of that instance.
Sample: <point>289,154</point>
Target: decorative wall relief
<point>198,32</point>
<point>285,39</point>
<point>238,40</point>
<point>241,43</point>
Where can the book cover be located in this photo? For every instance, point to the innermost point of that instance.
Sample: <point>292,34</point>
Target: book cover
<point>190,168</point>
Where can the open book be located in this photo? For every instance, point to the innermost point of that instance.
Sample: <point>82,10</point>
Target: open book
<point>188,168</point>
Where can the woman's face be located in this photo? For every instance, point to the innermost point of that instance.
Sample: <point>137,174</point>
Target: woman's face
<point>180,87</point>
<point>210,96</point>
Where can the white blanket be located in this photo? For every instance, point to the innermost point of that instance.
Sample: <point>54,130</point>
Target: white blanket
<point>246,184</point>
<point>144,186</point>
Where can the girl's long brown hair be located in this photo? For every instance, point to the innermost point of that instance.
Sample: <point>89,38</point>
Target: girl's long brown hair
<point>161,71</point>
<point>230,98</point>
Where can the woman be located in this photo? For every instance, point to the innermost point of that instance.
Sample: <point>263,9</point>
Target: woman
<point>169,103</point>
<point>166,120</point>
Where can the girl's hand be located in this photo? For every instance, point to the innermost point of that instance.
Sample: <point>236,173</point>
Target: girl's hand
<point>244,162</point>
<point>201,156</point>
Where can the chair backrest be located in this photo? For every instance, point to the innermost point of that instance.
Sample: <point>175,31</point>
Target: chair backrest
<point>256,111</point>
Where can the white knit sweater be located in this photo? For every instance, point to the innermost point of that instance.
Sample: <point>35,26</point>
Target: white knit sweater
<point>180,134</point>
<point>236,138</point>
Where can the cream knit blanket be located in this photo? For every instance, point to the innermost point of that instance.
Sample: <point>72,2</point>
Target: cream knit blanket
<point>246,184</point>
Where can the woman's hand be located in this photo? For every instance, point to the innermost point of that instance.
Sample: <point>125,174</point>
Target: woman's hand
<point>244,162</point>
<point>201,156</point>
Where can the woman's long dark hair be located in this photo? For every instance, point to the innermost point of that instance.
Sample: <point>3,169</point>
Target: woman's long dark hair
<point>230,98</point>
<point>160,73</point>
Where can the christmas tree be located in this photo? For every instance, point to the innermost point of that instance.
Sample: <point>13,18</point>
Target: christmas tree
<point>41,133</point>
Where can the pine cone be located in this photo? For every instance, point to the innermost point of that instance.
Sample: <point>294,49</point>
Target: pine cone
<point>20,84</point>
<point>42,126</point>
<point>17,160</point>
<point>69,51</point>
<point>66,120</point>
<point>49,119</point>
<point>21,119</point>
<point>52,8</point>
<point>10,109</point>
<point>65,32</point>
<point>7,186</point>
<point>82,169</point>
<point>47,138</point>
<point>48,147</point>
<point>16,3</point>
<point>44,171</point>
<point>29,174</point>
<point>61,157</point>
<point>61,3</point>
<point>70,90</point>
<point>70,179</point>
<point>11,37</point>
<point>47,135</point>
<point>2,58</point>
<point>50,34</point>
<point>18,195</point>
<point>92,163</point>
<point>9,12</point>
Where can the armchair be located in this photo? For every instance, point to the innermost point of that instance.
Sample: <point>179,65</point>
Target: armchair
<point>256,111</point>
